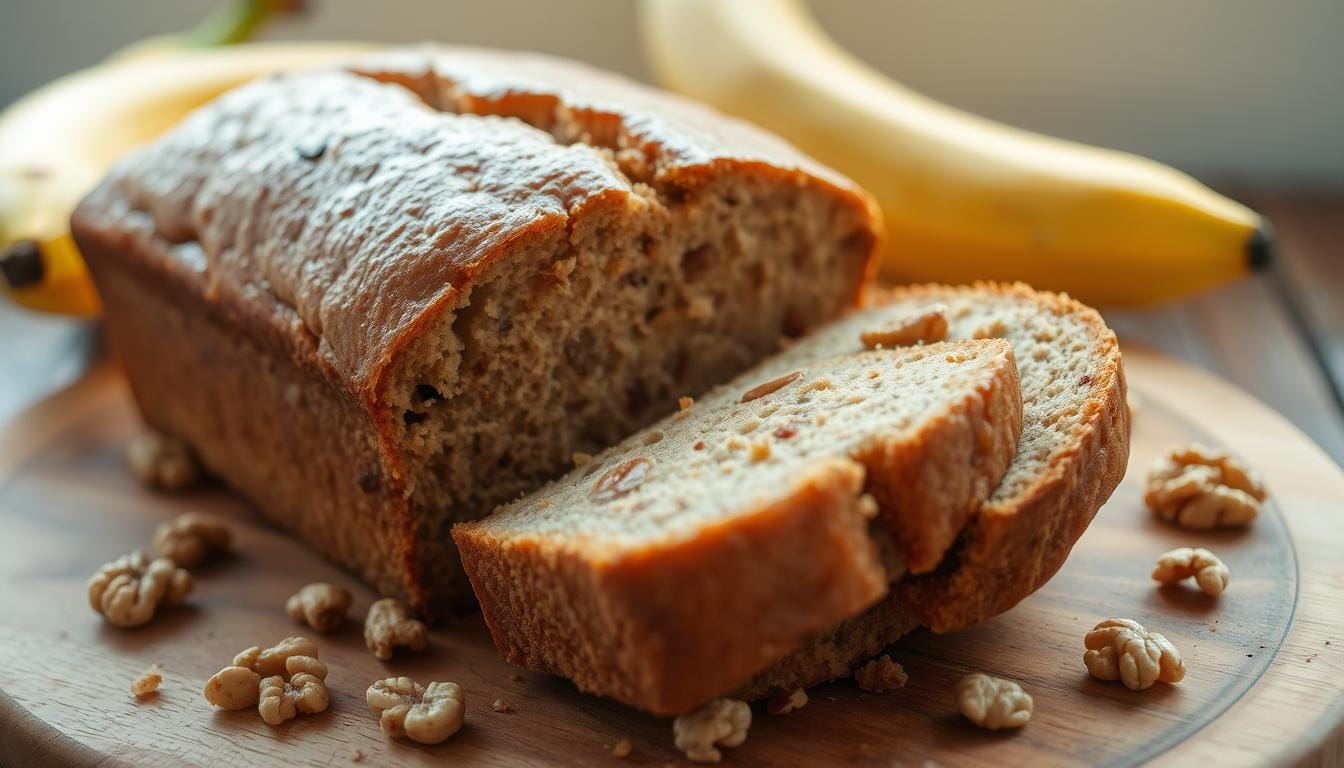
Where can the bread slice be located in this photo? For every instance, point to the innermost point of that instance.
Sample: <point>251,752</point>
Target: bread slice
<point>677,564</point>
<point>1071,456</point>
<point>449,270</point>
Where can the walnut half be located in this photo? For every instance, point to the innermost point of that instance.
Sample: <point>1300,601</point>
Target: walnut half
<point>321,606</point>
<point>993,702</point>
<point>1121,649</point>
<point>389,625</point>
<point>162,461</point>
<point>1198,488</point>
<point>129,590</point>
<point>305,691</point>
<point>426,715</point>
<point>189,538</point>
<point>720,723</point>
<point>1183,562</point>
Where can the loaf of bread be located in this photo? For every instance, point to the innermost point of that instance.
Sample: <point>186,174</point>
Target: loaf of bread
<point>383,300</point>
<point>679,563</point>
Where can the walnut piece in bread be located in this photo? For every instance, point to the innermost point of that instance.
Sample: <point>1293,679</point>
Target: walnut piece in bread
<point>719,723</point>
<point>1122,649</point>
<point>1183,562</point>
<point>1199,488</point>
<point>924,327</point>
<point>389,625</point>
<point>129,590</point>
<point>425,715</point>
<point>993,702</point>
<point>162,461</point>
<point>189,538</point>
<point>321,606</point>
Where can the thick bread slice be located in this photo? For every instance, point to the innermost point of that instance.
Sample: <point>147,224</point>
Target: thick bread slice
<point>1071,456</point>
<point>682,561</point>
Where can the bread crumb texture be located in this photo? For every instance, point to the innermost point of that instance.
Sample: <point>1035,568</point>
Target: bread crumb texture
<point>1199,488</point>
<point>1122,649</point>
<point>147,683</point>
<point>881,675</point>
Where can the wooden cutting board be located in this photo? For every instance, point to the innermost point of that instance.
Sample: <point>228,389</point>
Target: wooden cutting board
<point>1265,681</point>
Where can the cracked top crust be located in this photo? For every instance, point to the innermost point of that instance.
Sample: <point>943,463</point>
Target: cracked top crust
<point>337,212</point>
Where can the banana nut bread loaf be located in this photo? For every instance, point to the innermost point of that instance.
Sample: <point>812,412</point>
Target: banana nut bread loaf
<point>383,300</point>
<point>676,565</point>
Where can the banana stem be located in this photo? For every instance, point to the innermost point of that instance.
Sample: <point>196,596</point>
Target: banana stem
<point>236,22</point>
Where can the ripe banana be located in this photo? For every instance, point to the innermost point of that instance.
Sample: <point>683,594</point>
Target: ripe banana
<point>963,198</point>
<point>58,141</point>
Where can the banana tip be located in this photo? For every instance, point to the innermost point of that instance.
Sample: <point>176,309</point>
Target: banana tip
<point>1260,246</point>
<point>21,264</point>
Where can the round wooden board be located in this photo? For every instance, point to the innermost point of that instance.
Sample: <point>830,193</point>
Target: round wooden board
<point>1265,661</point>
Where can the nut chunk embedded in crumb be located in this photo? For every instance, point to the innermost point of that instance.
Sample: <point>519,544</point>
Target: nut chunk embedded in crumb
<point>784,702</point>
<point>1121,649</point>
<point>147,683</point>
<point>720,723</point>
<point>129,590</point>
<point>162,461</point>
<point>992,702</point>
<point>924,327</point>
<point>389,625</point>
<point>426,715</point>
<point>1183,562</point>
<point>301,690</point>
<point>191,537</point>
<point>881,675</point>
<point>1199,488</point>
<point>321,606</point>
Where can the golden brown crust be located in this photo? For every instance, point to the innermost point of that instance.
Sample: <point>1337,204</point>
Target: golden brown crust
<point>670,627</point>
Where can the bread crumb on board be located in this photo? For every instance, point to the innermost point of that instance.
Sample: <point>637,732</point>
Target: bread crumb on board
<point>147,683</point>
<point>622,748</point>
<point>881,675</point>
<point>719,723</point>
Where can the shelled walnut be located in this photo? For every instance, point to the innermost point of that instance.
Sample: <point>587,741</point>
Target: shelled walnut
<point>129,590</point>
<point>1183,562</point>
<point>1199,488</point>
<point>427,715</point>
<point>993,702</point>
<point>389,625</point>
<point>162,461</point>
<point>720,723</point>
<point>1122,649</point>
<point>301,690</point>
<point>321,606</point>
<point>189,538</point>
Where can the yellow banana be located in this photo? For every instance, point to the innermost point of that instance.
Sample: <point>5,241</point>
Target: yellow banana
<point>58,141</point>
<point>963,198</point>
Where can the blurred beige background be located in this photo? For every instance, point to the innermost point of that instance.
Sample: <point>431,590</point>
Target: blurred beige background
<point>1231,90</point>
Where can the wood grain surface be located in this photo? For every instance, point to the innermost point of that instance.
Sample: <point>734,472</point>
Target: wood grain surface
<point>1265,682</point>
